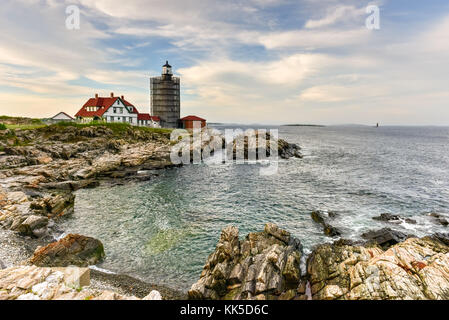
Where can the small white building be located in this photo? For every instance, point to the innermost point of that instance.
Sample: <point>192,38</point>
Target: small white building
<point>114,109</point>
<point>61,116</point>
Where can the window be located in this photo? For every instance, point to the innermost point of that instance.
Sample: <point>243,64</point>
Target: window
<point>130,120</point>
<point>115,110</point>
<point>130,109</point>
<point>118,118</point>
<point>121,110</point>
<point>111,119</point>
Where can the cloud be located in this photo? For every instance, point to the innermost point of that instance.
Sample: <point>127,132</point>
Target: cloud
<point>341,13</point>
<point>256,60</point>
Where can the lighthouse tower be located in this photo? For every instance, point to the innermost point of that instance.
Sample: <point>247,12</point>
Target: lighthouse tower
<point>165,97</point>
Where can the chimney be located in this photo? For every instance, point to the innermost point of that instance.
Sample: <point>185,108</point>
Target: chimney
<point>123,97</point>
<point>96,96</point>
<point>112,94</point>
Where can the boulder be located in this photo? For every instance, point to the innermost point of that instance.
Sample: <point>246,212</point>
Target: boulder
<point>384,237</point>
<point>154,295</point>
<point>439,218</point>
<point>265,265</point>
<point>34,225</point>
<point>392,218</point>
<point>413,269</point>
<point>73,250</point>
<point>39,283</point>
<point>328,229</point>
<point>55,205</point>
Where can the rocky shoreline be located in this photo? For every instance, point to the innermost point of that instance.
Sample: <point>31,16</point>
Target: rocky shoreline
<point>267,266</point>
<point>41,168</point>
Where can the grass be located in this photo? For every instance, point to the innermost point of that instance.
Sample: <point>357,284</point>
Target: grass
<point>117,127</point>
<point>25,126</point>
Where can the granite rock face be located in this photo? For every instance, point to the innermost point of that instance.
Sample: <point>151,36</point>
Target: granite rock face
<point>265,265</point>
<point>39,169</point>
<point>73,250</point>
<point>413,269</point>
<point>35,283</point>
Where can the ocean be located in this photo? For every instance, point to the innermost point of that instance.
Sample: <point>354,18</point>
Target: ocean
<point>163,230</point>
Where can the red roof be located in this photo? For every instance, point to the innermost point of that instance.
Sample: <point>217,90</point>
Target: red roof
<point>146,116</point>
<point>143,116</point>
<point>192,118</point>
<point>103,104</point>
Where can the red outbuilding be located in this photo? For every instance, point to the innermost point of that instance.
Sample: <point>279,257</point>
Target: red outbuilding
<point>190,121</point>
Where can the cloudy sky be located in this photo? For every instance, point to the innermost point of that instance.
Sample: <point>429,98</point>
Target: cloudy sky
<point>253,61</point>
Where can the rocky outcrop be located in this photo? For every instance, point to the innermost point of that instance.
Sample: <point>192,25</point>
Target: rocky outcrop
<point>39,169</point>
<point>385,237</point>
<point>34,225</point>
<point>393,218</point>
<point>73,250</point>
<point>413,269</point>
<point>322,218</point>
<point>34,283</point>
<point>439,218</point>
<point>265,265</point>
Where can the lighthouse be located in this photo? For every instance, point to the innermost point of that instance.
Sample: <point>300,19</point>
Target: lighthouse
<point>165,97</point>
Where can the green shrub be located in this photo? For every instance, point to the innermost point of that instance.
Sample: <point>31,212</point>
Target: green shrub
<point>2,126</point>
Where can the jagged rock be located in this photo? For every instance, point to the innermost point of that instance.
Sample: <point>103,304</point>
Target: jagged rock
<point>384,237</point>
<point>71,184</point>
<point>444,238</point>
<point>34,225</point>
<point>56,205</point>
<point>439,218</point>
<point>328,229</point>
<point>73,250</point>
<point>36,283</point>
<point>263,265</point>
<point>392,218</point>
<point>154,295</point>
<point>413,269</point>
<point>288,150</point>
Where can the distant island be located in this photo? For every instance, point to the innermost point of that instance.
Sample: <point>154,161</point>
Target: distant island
<point>302,125</point>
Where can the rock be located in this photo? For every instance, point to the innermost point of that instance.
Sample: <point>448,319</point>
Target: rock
<point>73,250</point>
<point>263,265</point>
<point>413,269</point>
<point>288,150</point>
<point>328,229</point>
<point>71,184</point>
<point>55,205</point>
<point>34,225</point>
<point>2,265</point>
<point>35,283</point>
<point>273,229</point>
<point>154,295</point>
<point>388,217</point>
<point>384,237</point>
<point>444,238</point>
<point>439,218</point>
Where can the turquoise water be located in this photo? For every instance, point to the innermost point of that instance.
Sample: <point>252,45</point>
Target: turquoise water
<point>163,230</point>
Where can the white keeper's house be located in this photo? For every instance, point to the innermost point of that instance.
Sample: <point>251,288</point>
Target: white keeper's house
<point>114,109</point>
